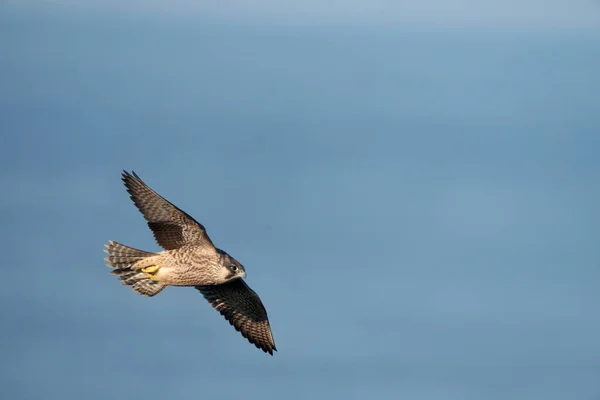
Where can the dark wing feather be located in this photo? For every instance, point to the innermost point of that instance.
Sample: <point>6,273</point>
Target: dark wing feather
<point>172,227</point>
<point>242,307</point>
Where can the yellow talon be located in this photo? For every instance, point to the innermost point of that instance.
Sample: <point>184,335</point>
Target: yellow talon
<point>151,271</point>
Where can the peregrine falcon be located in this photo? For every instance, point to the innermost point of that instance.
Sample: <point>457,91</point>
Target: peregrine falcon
<point>189,259</point>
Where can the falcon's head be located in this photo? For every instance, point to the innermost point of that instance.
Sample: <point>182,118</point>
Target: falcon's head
<point>230,268</point>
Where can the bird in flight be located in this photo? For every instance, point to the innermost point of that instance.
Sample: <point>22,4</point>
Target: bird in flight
<point>189,259</point>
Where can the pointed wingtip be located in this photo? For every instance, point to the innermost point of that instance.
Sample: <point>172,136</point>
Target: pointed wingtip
<point>127,176</point>
<point>270,350</point>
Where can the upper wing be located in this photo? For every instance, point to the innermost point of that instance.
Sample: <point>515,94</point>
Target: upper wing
<point>172,227</point>
<point>242,307</point>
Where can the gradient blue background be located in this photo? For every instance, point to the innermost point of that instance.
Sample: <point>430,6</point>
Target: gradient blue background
<point>416,204</point>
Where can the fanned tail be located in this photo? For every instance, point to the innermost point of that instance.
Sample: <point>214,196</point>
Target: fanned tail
<point>122,258</point>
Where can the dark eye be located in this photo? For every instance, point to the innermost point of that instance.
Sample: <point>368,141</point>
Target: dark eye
<point>233,268</point>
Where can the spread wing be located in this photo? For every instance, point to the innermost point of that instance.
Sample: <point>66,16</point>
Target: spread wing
<point>242,307</point>
<point>172,227</point>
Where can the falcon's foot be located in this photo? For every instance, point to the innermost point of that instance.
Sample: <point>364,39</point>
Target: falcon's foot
<point>151,271</point>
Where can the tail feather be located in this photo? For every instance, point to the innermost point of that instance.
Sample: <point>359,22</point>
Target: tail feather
<point>122,258</point>
<point>147,287</point>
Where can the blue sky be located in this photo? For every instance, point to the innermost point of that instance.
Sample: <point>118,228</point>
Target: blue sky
<point>416,206</point>
<point>528,14</point>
